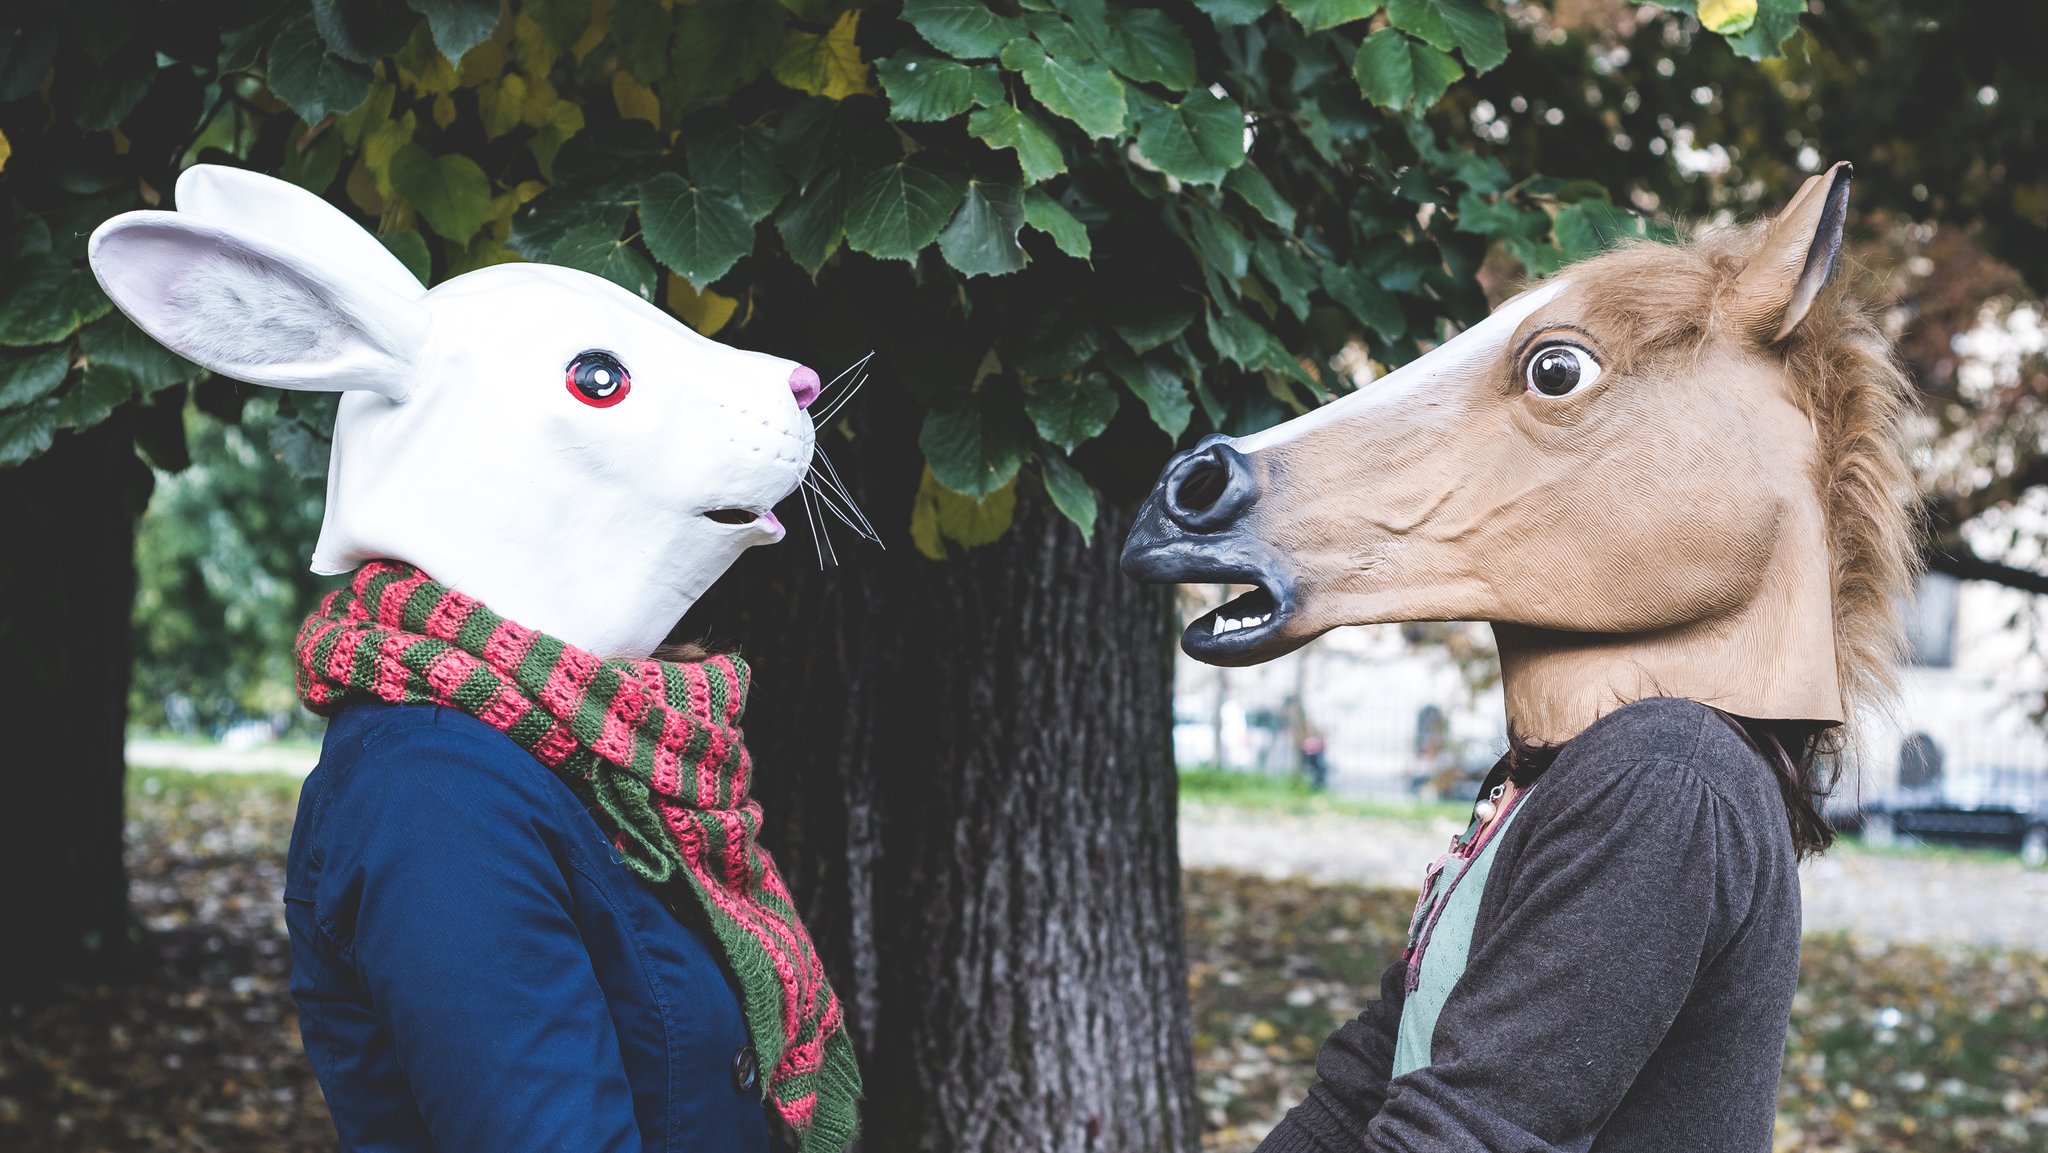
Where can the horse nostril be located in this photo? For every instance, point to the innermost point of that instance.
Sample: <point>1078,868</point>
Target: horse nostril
<point>1210,488</point>
<point>1200,487</point>
<point>804,384</point>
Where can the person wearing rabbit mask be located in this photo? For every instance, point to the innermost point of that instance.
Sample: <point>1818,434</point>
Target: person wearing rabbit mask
<point>527,905</point>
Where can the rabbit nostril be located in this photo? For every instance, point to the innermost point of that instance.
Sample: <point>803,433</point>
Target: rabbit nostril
<point>804,383</point>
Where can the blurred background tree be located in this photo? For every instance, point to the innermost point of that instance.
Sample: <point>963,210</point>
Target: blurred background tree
<point>1073,234</point>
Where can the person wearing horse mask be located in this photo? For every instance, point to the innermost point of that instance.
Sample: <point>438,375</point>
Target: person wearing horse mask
<point>1671,477</point>
<point>527,903</point>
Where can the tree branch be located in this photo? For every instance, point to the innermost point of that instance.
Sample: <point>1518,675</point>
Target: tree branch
<point>1958,560</point>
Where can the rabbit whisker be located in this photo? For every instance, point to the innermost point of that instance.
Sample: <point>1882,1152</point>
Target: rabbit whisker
<point>839,402</point>
<point>830,476</point>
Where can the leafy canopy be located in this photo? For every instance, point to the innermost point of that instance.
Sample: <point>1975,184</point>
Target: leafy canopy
<point>1103,220</point>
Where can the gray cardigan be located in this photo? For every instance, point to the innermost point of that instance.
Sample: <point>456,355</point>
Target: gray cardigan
<point>1631,971</point>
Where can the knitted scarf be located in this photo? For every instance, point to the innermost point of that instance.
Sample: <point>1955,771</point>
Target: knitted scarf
<point>657,744</point>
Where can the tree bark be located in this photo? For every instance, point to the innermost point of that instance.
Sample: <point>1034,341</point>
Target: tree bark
<point>67,579</point>
<point>968,777</point>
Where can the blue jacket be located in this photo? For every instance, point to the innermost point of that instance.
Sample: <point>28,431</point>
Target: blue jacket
<point>475,970</point>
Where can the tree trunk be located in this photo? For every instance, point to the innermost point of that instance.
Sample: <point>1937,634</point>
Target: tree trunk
<point>968,776</point>
<point>67,579</point>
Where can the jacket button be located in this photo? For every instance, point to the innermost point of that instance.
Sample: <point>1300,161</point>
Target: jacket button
<point>746,1070</point>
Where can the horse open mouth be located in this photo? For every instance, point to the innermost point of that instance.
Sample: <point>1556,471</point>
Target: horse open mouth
<point>1245,630</point>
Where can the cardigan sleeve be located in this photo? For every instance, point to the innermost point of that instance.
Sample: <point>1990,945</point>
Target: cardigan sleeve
<point>1600,926</point>
<point>464,936</point>
<point>1352,1071</point>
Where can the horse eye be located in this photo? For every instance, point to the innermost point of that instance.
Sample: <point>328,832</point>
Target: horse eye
<point>1559,369</point>
<point>598,379</point>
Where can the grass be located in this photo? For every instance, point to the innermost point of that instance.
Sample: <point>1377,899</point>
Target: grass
<point>1277,793</point>
<point>154,788</point>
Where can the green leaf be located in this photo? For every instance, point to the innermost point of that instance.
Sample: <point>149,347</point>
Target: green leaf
<point>25,56</point>
<point>93,397</point>
<point>1323,15</point>
<point>814,221</point>
<point>721,45</point>
<point>1070,410</point>
<point>964,28</point>
<point>1220,242</point>
<point>26,377</point>
<point>1361,295</point>
<point>26,434</point>
<point>1398,72</point>
<point>925,88</point>
<point>1776,22</point>
<point>1051,217</point>
<point>595,248</point>
<point>1146,45</point>
<point>641,30</point>
<point>1227,13</point>
<point>302,73</point>
<point>1254,189</point>
<point>450,191</point>
<point>897,209</point>
<point>738,163</point>
<point>976,447</point>
<point>939,514</point>
<point>411,250</point>
<point>982,240</point>
<point>1197,141</point>
<point>314,167</point>
<point>112,90</point>
<point>1589,226</point>
<point>113,341</point>
<point>363,31</point>
<point>1147,320</point>
<point>1287,271</point>
<point>1237,337</point>
<point>458,25</point>
<point>692,231</point>
<point>1004,126</point>
<point>1069,491</point>
<point>1158,388</point>
<point>302,450</point>
<point>1466,25</point>
<point>47,300</point>
<point>1083,91</point>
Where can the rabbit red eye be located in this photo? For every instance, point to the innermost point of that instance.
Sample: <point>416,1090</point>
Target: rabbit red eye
<point>598,379</point>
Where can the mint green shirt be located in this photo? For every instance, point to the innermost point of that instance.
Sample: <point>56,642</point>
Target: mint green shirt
<point>1443,962</point>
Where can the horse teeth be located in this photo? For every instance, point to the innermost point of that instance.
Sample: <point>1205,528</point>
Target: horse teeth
<point>1218,629</point>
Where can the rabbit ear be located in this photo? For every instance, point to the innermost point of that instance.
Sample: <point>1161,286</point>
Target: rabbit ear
<point>290,215</point>
<point>257,309</point>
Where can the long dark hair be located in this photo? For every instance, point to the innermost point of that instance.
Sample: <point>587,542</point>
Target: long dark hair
<point>1801,755</point>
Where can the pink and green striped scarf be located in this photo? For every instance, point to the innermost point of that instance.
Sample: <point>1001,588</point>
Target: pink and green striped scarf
<point>657,744</point>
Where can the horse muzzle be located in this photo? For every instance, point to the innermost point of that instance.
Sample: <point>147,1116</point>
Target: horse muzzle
<point>1195,529</point>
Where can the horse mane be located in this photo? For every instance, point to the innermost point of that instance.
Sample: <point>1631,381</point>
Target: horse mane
<point>1846,378</point>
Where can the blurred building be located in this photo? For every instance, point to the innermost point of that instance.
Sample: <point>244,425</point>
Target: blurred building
<point>1398,713</point>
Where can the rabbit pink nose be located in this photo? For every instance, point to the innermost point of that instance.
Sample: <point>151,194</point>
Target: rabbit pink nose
<point>804,383</point>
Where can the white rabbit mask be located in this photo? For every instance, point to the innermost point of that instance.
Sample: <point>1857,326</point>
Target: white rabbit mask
<point>533,436</point>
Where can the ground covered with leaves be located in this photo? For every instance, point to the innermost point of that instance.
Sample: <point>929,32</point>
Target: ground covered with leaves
<point>1893,1047</point>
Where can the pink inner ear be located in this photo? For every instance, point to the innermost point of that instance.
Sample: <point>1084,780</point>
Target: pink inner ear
<point>804,383</point>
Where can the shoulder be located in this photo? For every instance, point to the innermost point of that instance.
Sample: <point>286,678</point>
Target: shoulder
<point>412,764</point>
<point>1672,732</point>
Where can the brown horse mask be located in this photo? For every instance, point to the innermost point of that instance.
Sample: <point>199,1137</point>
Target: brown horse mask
<point>1629,469</point>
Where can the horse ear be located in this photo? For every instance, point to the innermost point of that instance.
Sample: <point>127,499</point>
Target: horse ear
<point>257,309</point>
<point>1800,251</point>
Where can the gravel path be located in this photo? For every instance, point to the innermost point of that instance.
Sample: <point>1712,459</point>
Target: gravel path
<point>1882,897</point>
